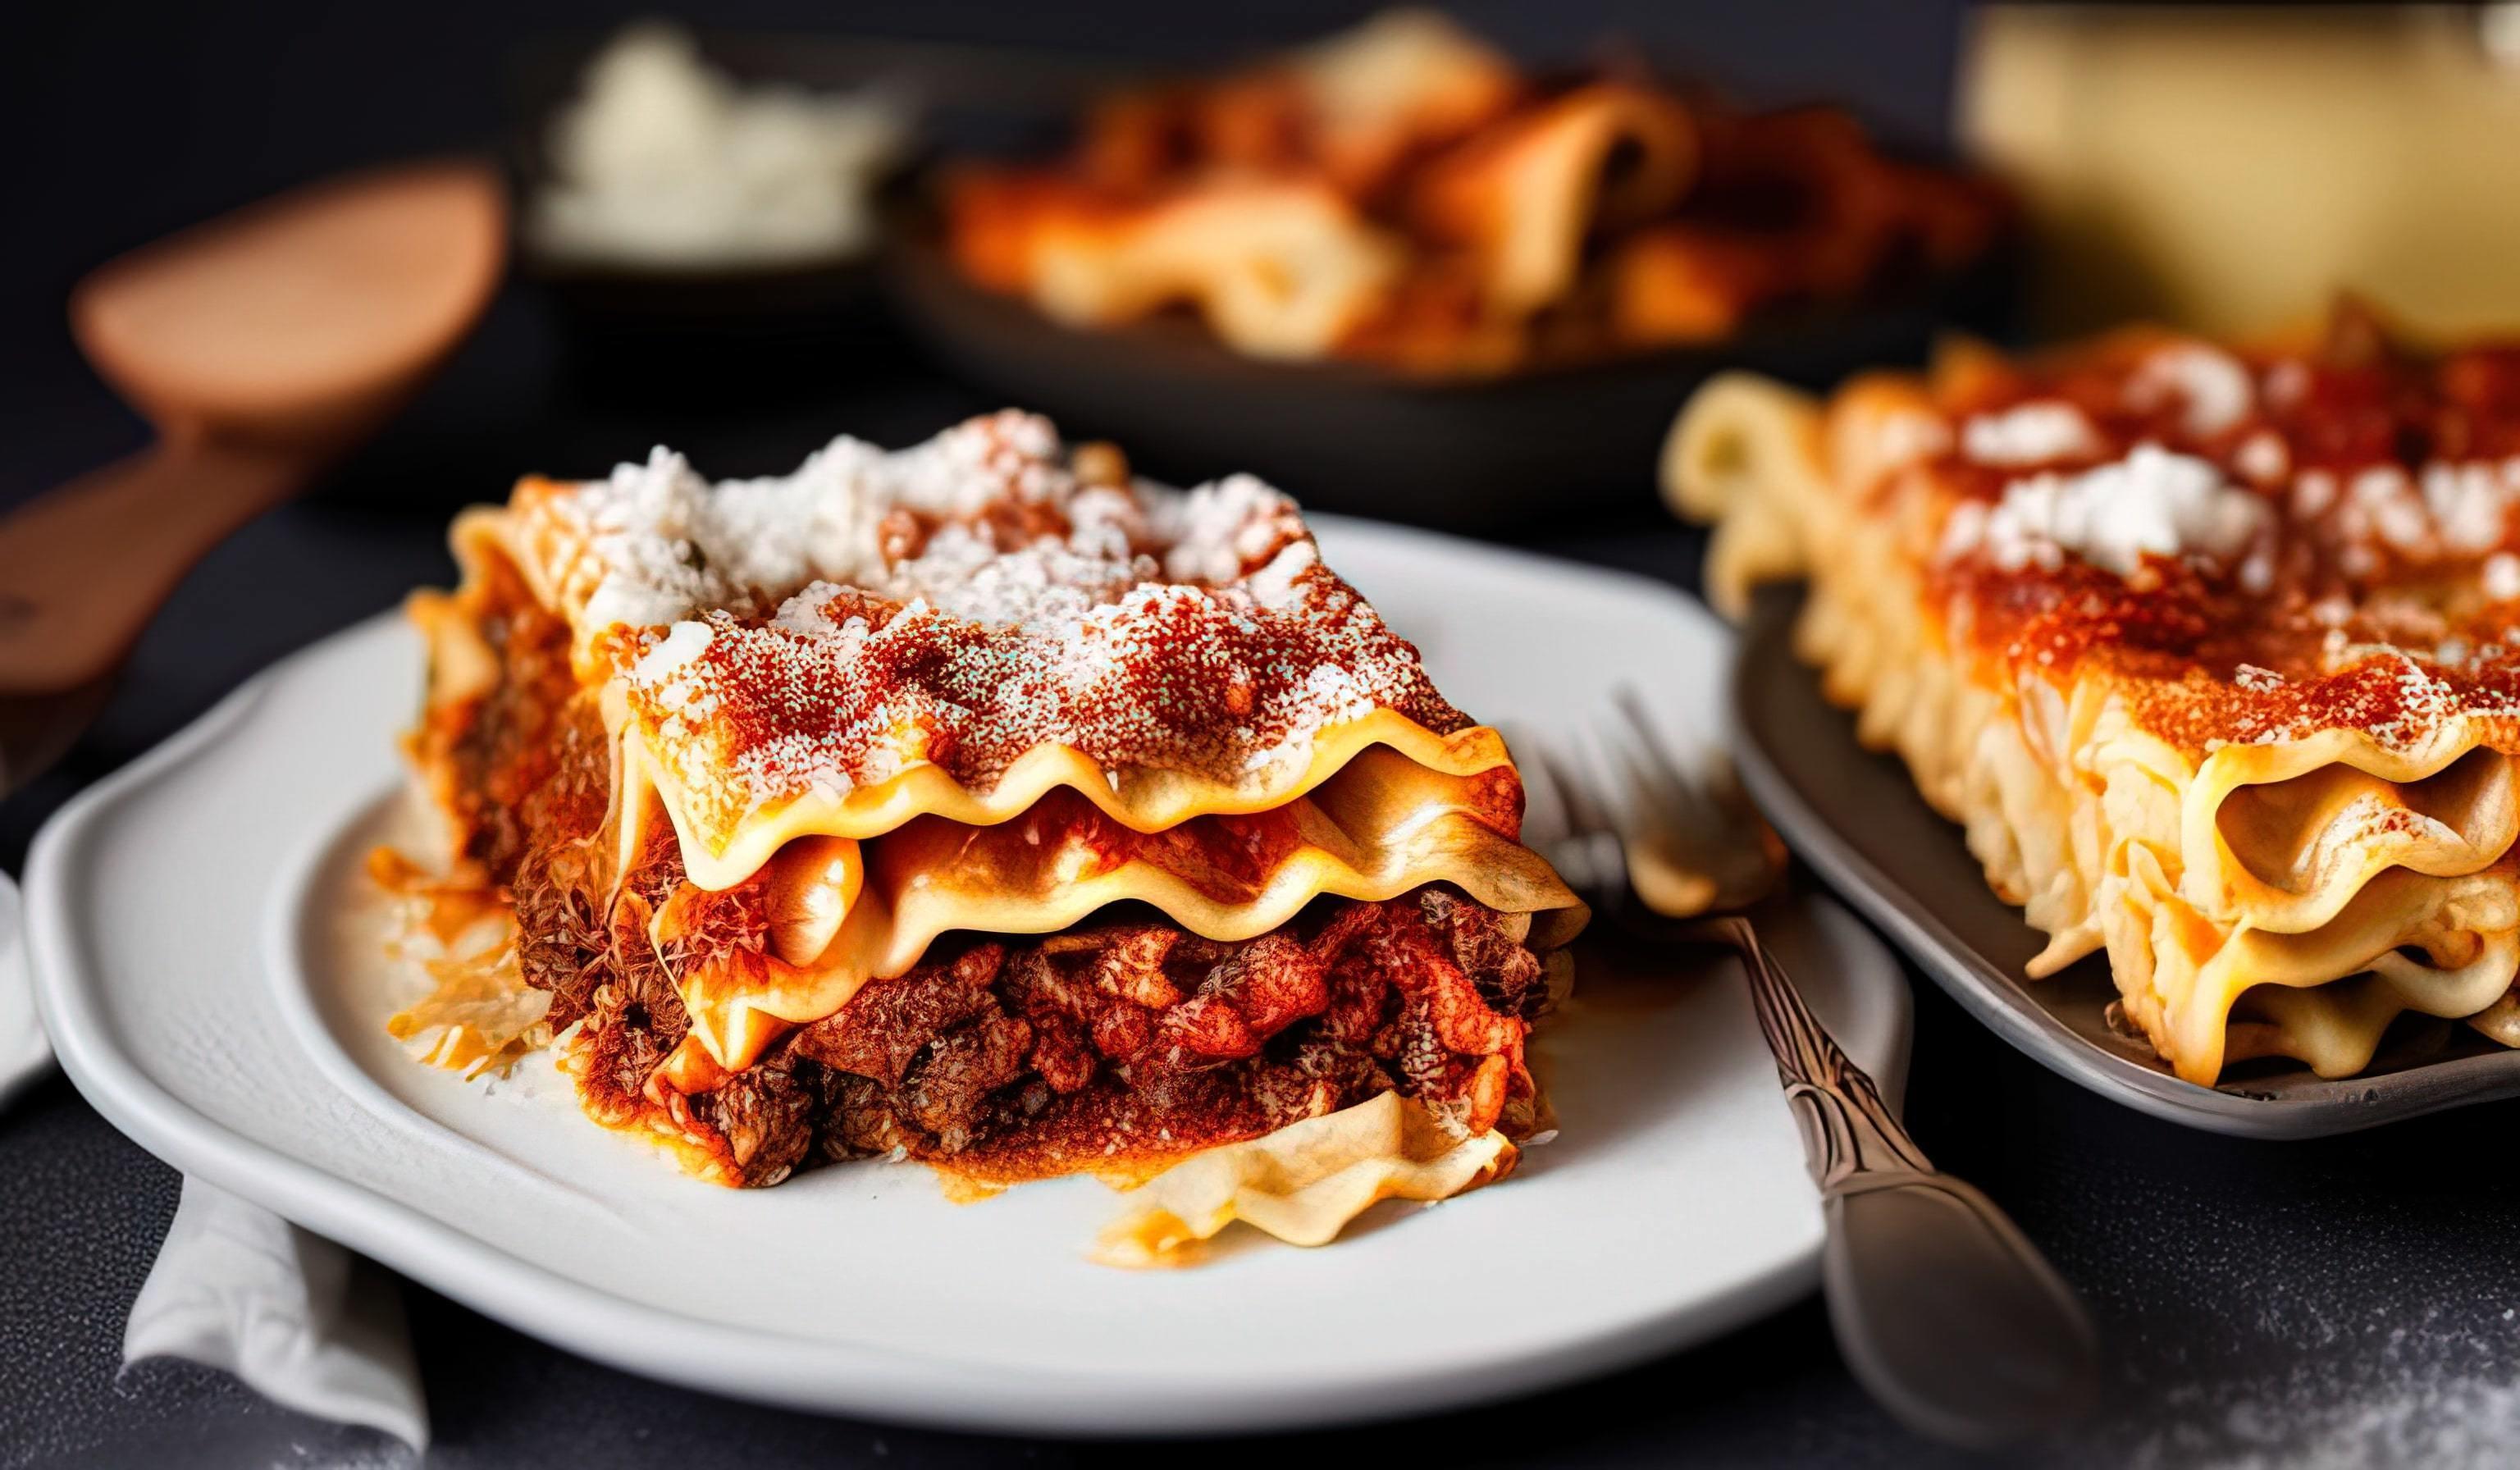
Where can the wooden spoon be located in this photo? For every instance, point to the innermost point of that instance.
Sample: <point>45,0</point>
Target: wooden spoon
<point>261,344</point>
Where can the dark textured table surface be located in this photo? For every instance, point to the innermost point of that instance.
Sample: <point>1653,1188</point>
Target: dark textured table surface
<point>2348,1302</point>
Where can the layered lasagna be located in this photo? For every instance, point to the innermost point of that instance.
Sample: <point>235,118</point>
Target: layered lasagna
<point>1404,193</point>
<point>2214,652</point>
<point>975,804</point>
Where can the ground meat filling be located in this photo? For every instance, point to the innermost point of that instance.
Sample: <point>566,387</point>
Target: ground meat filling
<point>521,764</point>
<point>1114,1046</point>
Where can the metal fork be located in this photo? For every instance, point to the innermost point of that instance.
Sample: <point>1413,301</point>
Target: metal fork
<point>1942,1308</point>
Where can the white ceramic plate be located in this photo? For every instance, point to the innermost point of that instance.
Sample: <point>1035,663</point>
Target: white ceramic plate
<point>204,968</point>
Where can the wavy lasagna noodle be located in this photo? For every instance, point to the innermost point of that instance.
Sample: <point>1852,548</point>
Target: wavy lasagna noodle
<point>2215,653</point>
<point>975,804</point>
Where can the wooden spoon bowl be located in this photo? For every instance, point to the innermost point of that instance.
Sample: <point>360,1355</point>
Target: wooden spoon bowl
<point>262,345</point>
<point>287,317</point>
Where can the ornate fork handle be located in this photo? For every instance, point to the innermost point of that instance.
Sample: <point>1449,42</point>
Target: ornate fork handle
<point>1850,1139</point>
<point>1941,1306</point>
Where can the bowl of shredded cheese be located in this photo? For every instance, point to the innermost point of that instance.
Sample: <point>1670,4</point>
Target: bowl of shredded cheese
<point>710,199</point>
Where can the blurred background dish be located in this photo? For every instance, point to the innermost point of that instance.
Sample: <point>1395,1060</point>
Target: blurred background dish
<point>703,217</point>
<point>1404,194</point>
<point>1407,275</point>
<point>664,164</point>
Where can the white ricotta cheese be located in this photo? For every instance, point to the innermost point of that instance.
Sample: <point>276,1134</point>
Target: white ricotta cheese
<point>2209,382</point>
<point>2037,433</point>
<point>2263,457</point>
<point>2502,576</point>
<point>2152,502</point>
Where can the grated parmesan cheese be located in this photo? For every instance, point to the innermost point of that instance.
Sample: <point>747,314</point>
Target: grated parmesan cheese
<point>966,600</point>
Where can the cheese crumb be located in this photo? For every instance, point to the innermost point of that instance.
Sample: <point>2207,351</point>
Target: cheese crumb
<point>2502,576</point>
<point>2038,432</point>
<point>2209,383</point>
<point>2152,503</point>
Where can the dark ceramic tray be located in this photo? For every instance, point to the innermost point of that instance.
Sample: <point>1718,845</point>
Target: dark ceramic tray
<point>1852,815</point>
<point>1492,454</point>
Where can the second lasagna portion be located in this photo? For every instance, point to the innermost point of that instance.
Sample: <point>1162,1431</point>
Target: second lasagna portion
<point>2216,653</point>
<point>977,805</point>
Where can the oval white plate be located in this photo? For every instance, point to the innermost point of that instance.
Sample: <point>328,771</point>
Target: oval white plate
<point>202,967</point>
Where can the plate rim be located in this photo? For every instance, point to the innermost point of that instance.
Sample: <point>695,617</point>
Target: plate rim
<point>745,1362</point>
<point>2002,1003</point>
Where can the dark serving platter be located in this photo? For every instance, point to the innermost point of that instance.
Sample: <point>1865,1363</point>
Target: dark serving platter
<point>1488,454</point>
<point>1852,815</point>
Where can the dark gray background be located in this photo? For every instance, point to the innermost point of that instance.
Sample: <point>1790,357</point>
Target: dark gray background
<point>2351,1298</point>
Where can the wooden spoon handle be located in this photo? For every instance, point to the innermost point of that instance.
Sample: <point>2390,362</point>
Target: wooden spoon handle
<point>84,568</point>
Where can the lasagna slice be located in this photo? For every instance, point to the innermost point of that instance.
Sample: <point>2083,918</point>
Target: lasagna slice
<point>975,804</point>
<point>2215,653</point>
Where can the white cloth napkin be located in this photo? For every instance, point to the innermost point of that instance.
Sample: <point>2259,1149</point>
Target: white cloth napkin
<point>300,1319</point>
<point>25,1054</point>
